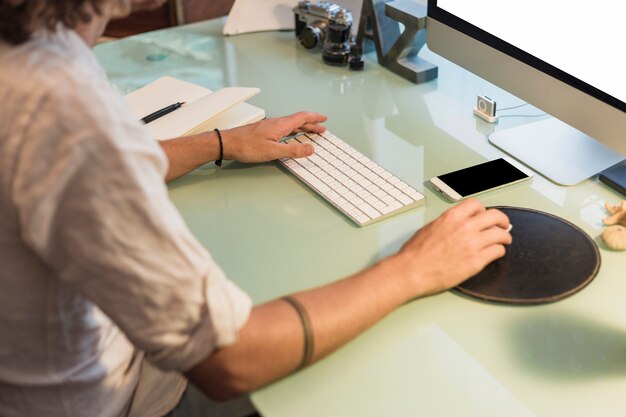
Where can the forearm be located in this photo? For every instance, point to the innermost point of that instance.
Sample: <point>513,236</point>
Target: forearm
<point>272,342</point>
<point>256,142</point>
<point>188,153</point>
<point>455,246</point>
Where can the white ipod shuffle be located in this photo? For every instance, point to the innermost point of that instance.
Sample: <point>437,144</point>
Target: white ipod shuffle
<point>486,109</point>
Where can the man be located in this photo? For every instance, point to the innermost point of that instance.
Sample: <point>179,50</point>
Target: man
<point>105,296</point>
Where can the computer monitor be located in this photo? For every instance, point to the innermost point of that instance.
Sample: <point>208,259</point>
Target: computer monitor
<point>565,58</point>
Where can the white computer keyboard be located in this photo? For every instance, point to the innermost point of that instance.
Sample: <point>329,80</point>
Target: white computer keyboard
<point>357,186</point>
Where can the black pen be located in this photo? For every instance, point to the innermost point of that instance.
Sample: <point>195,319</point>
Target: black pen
<point>160,113</point>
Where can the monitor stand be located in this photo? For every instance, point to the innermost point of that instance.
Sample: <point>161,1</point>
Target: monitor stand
<point>564,155</point>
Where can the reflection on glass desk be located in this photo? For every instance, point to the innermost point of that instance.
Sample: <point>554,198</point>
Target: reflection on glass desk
<point>442,356</point>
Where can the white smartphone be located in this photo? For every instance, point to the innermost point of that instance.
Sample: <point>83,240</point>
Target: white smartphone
<point>477,179</point>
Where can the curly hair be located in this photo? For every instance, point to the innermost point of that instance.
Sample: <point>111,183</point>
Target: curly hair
<point>18,18</point>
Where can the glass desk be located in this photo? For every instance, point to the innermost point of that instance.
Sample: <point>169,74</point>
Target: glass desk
<point>446,355</point>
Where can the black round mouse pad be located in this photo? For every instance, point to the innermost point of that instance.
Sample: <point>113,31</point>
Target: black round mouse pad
<point>549,259</point>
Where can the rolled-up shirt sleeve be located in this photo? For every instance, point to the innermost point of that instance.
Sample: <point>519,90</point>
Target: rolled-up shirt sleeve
<point>93,205</point>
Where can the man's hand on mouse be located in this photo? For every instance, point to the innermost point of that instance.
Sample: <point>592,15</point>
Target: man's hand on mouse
<point>455,246</point>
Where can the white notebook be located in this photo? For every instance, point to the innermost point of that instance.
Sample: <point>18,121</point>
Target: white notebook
<point>203,109</point>
<point>265,15</point>
<point>260,15</point>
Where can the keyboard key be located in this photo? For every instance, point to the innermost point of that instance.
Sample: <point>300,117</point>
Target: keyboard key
<point>386,186</point>
<point>371,199</point>
<point>347,206</point>
<point>363,193</point>
<point>391,207</point>
<point>333,196</point>
<point>379,204</point>
<point>416,196</point>
<point>342,190</point>
<point>401,185</point>
<point>369,210</point>
<point>349,196</point>
<point>394,192</point>
<point>380,193</point>
<point>362,219</point>
<point>404,199</point>
<point>388,199</point>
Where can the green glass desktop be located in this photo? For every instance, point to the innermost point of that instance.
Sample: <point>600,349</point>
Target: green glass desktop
<point>446,355</point>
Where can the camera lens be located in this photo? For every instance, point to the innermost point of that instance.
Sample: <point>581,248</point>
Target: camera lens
<point>338,33</point>
<point>312,35</point>
<point>337,49</point>
<point>356,62</point>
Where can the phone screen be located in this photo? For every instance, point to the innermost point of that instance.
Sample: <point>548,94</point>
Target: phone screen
<point>478,178</point>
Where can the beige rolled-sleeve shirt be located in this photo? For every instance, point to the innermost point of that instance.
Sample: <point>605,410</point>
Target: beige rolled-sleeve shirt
<point>105,295</point>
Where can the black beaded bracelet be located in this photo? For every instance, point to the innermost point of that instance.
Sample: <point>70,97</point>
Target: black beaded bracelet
<point>307,329</point>
<point>218,162</point>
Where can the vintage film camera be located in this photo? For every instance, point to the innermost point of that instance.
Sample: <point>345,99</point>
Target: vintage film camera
<point>320,23</point>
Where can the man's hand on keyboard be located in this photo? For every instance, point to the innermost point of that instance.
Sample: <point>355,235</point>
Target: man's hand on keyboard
<point>455,246</point>
<point>260,142</point>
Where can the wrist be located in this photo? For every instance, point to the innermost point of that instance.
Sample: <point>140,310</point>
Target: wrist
<point>220,152</point>
<point>229,144</point>
<point>398,270</point>
<point>411,272</point>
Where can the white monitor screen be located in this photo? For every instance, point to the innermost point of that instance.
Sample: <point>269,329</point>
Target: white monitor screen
<point>585,39</point>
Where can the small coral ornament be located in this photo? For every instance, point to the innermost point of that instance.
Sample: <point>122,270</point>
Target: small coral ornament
<point>615,237</point>
<point>614,208</point>
<point>618,217</point>
<point>615,234</point>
